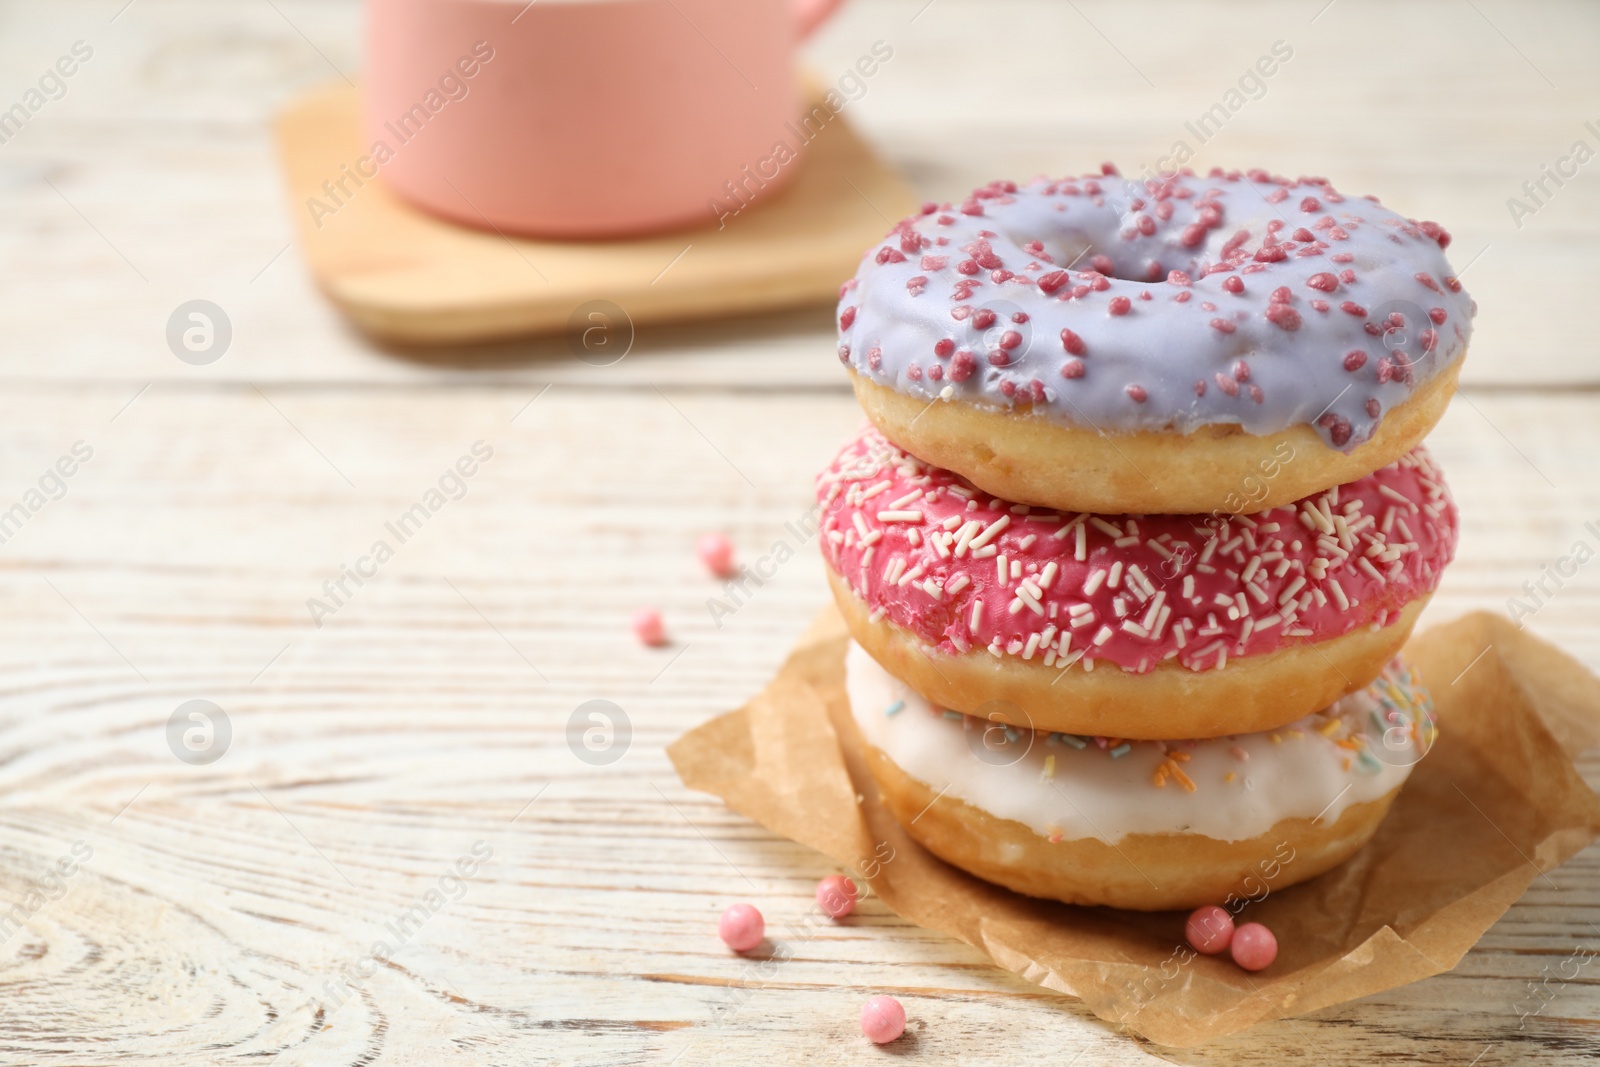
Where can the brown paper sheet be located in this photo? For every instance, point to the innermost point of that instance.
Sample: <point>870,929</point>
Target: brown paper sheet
<point>1496,803</point>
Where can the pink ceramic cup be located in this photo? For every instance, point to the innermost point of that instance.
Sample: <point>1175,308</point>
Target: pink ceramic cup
<point>581,118</point>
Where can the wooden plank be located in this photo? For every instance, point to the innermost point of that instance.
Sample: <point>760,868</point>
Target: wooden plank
<point>162,145</point>
<point>431,709</point>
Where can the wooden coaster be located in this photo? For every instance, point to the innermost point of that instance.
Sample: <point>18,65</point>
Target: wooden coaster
<point>407,277</point>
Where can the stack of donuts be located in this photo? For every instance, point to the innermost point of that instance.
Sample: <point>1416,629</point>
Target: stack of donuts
<point>1140,524</point>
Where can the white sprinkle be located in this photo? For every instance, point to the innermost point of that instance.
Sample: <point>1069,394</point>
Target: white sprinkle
<point>899,516</point>
<point>1188,585</point>
<point>1025,599</point>
<point>977,610</point>
<point>1105,527</point>
<point>1048,575</point>
<point>1294,587</point>
<point>964,538</point>
<point>1397,497</point>
<point>1092,584</point>
<point>907,500</point>
<point>1002,572</point>
<point>1106,633</point>
<point>1115,578</point>
<point>1080,551</point>
<point>956,584</point>
<point>991,531</point>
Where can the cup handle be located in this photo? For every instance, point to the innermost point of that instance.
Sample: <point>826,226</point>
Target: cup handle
<point>809,14</point>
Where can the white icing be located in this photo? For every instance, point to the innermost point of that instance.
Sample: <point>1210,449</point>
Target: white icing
<point>1090,794</point>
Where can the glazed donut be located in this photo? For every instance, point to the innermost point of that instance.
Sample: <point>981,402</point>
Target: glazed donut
<point>1146,825</point>
<point>1115,346</point>
<point>1129,626</point>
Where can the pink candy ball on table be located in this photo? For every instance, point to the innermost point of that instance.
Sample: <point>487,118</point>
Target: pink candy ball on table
<point>741,927</point>
<point>1209,930</point>
<point>648,627</point>
<point>836,895</point>
<point>1254,947</point>
<point>882,1020</point>
<point>716,552</point>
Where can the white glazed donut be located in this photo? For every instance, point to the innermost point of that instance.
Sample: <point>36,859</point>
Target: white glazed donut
<point>1147,824</point>
<point>1106,345</point>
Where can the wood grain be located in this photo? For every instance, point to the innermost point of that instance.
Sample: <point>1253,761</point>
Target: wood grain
<point>430,711</point>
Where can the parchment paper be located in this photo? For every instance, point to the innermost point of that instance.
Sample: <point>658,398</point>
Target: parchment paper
<point>1494,804</point>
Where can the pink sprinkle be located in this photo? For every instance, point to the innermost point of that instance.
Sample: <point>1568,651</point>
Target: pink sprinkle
<point>1120,305</point>
<point>1324,281</point>
<point>1049,283</point>
<point>882,1020</point>
<point>1355,360</point>
<point>836,895</point>
<point>1072,343</point>
<point>1010,339</point>
<point>742,927</point>
<point>962,366</point>
<point>1233,283</point>
<point>846,317</point>
<point>647,627</point>
<point>944,347</point>
<point>1254,947</point>
<point>1222,326</point>
<point>716,552</point>
<point>1283,316</point>
<point>1137,393</point>
<point>1438,315</point>
<point>1209,930</point>
<point>982,319</point>
<point>1072,368</point>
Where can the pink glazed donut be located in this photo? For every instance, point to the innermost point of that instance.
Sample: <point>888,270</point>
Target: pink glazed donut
<point>1129,626</point>
<point>1114,346</point>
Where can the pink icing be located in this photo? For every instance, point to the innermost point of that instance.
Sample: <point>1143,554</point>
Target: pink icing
<point>922,547</point>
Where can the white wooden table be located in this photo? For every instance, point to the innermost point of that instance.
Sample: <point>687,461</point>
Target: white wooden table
<point>427,716</point>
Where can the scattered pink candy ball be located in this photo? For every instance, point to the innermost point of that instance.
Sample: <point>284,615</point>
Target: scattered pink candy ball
<point>1209,930</point>
<point>716,552</point>
<point>1254,947</point>
<point>741,927</point>
<point>648,628</point>
<point>882,1020</point>
<point>836,895</point>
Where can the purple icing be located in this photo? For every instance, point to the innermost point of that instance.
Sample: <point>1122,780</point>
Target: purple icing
<point>1171,304</point>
